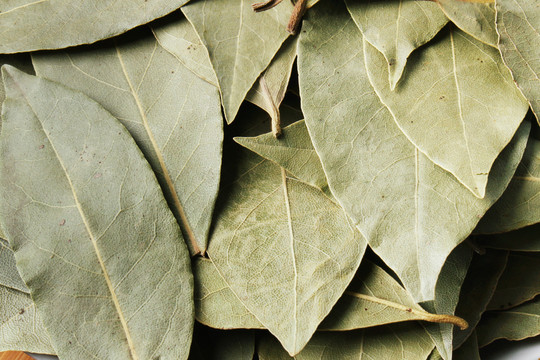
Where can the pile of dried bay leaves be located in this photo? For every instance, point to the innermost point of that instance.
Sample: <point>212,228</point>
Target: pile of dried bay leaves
<point>333,179</point>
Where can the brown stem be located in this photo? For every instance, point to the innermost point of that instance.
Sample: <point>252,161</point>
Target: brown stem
<point>296,16</point>
<point>265,5</point>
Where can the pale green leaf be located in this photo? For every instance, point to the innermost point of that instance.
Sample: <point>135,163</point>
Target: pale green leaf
<point>105,264</point>
<point>178,37</point>
<point>478,289</point>
<point>269,90</point>
<point>519,206</point>
<point>397,342</point>
<point>447,292</point>
<point>475,18</point>
<point>9,275</point>
<point>21,328</point>
<point>396,28</point>
<point>284,249</point>
<point>517,323</point>
<point>519,282</point>
<point>293,151</point>
<point>173,115</point>
<point>27,25</point>
<point>525,239</point>
<point>240,42</point>
<point>412,212</point>
<point>458,104</point>
<point>518,25</point>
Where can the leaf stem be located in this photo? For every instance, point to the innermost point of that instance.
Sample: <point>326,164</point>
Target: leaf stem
<point>422,314</point>
<point>296,16</point>
<point>265,5</point>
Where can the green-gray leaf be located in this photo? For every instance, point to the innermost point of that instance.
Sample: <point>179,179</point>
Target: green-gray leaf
<point>517,323</point>
<point>469,349</point>
<point>106,264</point>
<point>519,206</point>
<point>397,342</point>
<point>173,115</point>
<point>519,282</point>
<point>475,18</point>
<point>283,248</point>
<point>525,239</point>
<point>398,198</point>
<point>240,43</point>
<point>9,275</point>
<point>478,289</point>
<point>396,28</point>
<point>27,25</point>
<point>292,151</point>
<point>458,104</point>
<point>518,25</point>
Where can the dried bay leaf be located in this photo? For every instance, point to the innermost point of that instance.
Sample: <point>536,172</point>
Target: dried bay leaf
<point>519,206</point>
<point>173,115</point>
<point>240,43</point>
<point>475,18</point>
<point>397,342</point>
<point>477,290</point>
<point>469,349</point>
<point>396,28</point>
<point>525,239</point>
<point>9,275</point>
<point>517,323</point>
<point>104,230</point>
<point>460,121</point>
<point>412,212</point>
<point>519,282</point>
<point>284,249</point>
<point>518,25</point>
<point>27,25</point>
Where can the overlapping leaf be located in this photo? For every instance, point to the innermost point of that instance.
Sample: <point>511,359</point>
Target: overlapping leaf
<point>396,28</point>
<point>459,119</point>
<point>240,43</point>
<point>104,227</point>
<point>209,344</point>
<point>27,25</point>
<point>412,212</point>
<point>270,245</point>
<point>519,206</point>
<point>518,25</point>
<point>174,116</point>
<point>525,239</point>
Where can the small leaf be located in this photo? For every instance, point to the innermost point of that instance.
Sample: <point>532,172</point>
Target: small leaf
<point>28,25</point>
<point>520,282</point>
<point>240,43</point>
<point>105,264</point>
<point>519,206</point>
<point>460,119</point>
<point>518,25</point>
<point>477,18</point>
<point>396,28</point>
<point>517,323</point>
<point>174,117</point>
<point>284,249</point>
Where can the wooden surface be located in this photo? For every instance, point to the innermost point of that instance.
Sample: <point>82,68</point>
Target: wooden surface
<point>14,355</point>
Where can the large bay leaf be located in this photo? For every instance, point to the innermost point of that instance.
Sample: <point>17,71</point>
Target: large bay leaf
<point>240,43</point>
<point>21,327</point>
<point>458,104</point>
<point>396,28</point>
<point>292,151</point>
<point>478,289</point>
<point>475,18</point>
<point>519,282</point>
<point>526,239</point>
<point>447,292</point>
<point>284,248</point>
<point>397,342</point>
<point>27,25</point>
<point>519,206</point>
<point>518,25</point>
<point>269,90</point>
<point>412,212</point>
<point>105,263</point>
<point>177,36</point>
<point>174,116</point>
<point>517,323</point>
